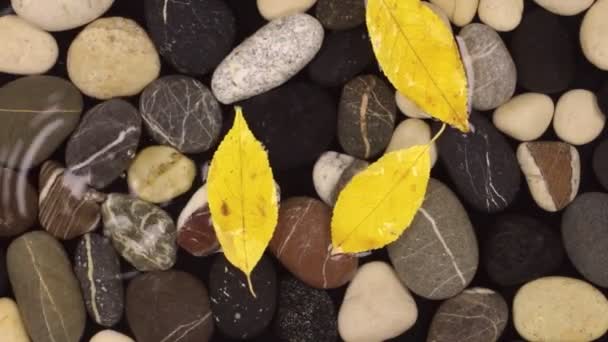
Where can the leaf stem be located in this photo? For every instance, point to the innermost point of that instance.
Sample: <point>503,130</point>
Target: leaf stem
<point>250,285</point>
<point>441,130</point>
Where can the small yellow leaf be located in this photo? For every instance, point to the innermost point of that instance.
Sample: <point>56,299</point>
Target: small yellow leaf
<point>242,197</point>
<point>379,203</point>
<point>419,55</point>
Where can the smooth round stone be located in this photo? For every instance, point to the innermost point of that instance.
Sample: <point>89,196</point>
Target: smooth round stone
<point>340,14</point>
<point>60,15</point>
<point>578,119</point>
<point>112,57</point>
<point>263,61</point>
<point>195,232</point>
<point>39,113</point>
<point>236,312</point>
<point>193,37</point>
<point>181,112</point>
<point>543,51</point>
<point>46,289</point>
<point>295,122</point>
<point>110,336</point>
<point>560,7</point>
<point>460,12</point>
<point>332,171</point>
<point>600,163</point>
<point>481,164</point>
<point>585,237</point>
<point>560,309</point>
<point>11,325</point>
<point>495,76</point>
<point>169,306</point>
<point>18,203</point>
<point>304,313</point>
<point>411,132</point>
<point>437,256</point>
<point>366,116</point>
<point>594,29</point>
<point>26,49</point>
<point>408,107</point>
<point>525,117</point>
<point>518,249</point>
<point>160,173</point>
<point>553,172</point>
<point>302,243</point>
<point>141,232</point>
<point>105,142</point>
<point>273,9</point>
<point>344,54</point>
<point>501,15</point>
<point>4,285</point>
<point>476,315</point>
<point>376,306</point>
<point>97,268</point>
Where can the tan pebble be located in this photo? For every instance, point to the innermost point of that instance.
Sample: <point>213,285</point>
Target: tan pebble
<point>110,336</point>
<point>460,12</point>
<point>578,119</point>
<point>525,117</point>
<point>11,325</point>
<point>272,9</point>
<point>412,132</point>
<point>594,29</point>
<point>501,15</point>
<point>565,7</point>
<point>409,108</point>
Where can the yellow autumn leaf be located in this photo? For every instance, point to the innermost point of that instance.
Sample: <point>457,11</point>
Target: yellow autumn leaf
<point>379,203</point>
<point>420,57</point>
<point>242,197</point>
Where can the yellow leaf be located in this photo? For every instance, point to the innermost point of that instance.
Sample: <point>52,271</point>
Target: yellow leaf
<point>242,197</point>
<point>379,203</point>
<point>419,55</point>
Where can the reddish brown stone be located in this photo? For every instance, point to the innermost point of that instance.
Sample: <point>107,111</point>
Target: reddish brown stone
<point>195,231</point>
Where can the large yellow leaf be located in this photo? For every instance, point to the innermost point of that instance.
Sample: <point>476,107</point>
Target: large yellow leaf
<point>379,203</point>
<point>419,55</point>
<point>242,197</point>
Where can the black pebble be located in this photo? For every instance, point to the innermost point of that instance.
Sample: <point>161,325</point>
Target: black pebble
<point>543,52</point>
<point>3,273</point>
<point>600,163</point>
<point>602,98</point>
<point>344,54</point>
<point>519,249</point>
<point>194,36</point>
<point>296,123</point>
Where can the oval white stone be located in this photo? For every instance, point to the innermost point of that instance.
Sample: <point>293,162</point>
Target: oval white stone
<point>60,15</point>
<point>578,119</point>
<point>460,12</point>
<point>594,30</point>
<point>525,117</point>
<point>412,132</point>
<point>501,15</point>
<point>272,9</point>
<point>409,108</point>
<point>110,336</point>
<point>11,325</point>
<point>562,7</point>
<point>327,171</point>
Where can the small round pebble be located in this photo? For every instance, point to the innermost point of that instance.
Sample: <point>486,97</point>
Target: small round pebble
<point>110,336</point>
<point>409,108</point>
<point>340,14</point>
<point>272,9</point>
<point>18,203</point>
<point>412,132</point>
<point>11,325</point>
<point>460,12</point>
<point>578,119</point>
<point>60,15</point>
<point>594,29</point>
<point>501,15</point>
<point>600,163</point>
<point>570,7</point>
<point>525,117</point>
<point>112,57</point>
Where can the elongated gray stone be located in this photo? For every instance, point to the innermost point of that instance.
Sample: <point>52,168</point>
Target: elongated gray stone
<point>18,203</point>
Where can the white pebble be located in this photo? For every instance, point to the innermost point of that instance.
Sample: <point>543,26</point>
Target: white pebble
<point>525,117</point>
<point>409,108</point>
<point>110,336</point>
<point>412,132</point>
<point>578,119</point>
<point>11,325</point>
<point>60,15</point>
<point>327,172</point>
<point>272,9</point>
<point>565,7</point>
<point>594,31</point>
<point>501,15</point>
<point>460,12</point>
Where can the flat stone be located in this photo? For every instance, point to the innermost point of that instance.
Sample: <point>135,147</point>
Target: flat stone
<point>585,236</point>
<point>60,15</point>
<point>437,256</point>
<point>572,7</point>
<point>525,117</point>
<point>578,119</point>
<point>600,163</point>
<point>376,306</point>
<point>193,37</point>
<point>304,313</point>
<point>340,14</point>
<point>332,172</point>
<point>27,50</point>
<point>501,15</point>
<point>112,57</point>
<point>302,242</point>
<point>195,232</point>
<point>263,61</point>
<point>236,312</point>
<point>11,326</point>
<point>181,112</point>
<point>141,232</point>
<point>460,12</point>
<point>495,76</point>
<point>477,315</point>
<point>594,29</point>
<point>412,132</point>
<point>105,142</point>
<point>167,306</point>
<point>553,172</point>
<point>110,336</point>
<point>97,268</point>
<point>18,203</point>
<point>273,9</point>
<point>39,113</point>
<point>560,309</point>
<point>46,289</point>
<point>366,116</point>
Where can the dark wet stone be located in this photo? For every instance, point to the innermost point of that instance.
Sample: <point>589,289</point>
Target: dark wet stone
<point>600,163</point>
<point>18,203</point>
<point>340,14</point>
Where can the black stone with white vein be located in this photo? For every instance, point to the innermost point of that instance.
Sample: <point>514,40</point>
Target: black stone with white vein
<point>481,164</point>
<point>182,112</point>
<point>104,143</point>
<point>97,268</point>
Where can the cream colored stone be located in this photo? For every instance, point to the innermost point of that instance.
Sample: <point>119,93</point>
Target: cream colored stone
<point>525,117</point>
<point>327,171</point>
<point>412,132</point>
<point>578,119</point>
<point>460,12</point>
<point>110,336</point>
<point>409,108</point>
<point>565,7</point>
<point>11,325</point>
<point>555,309</point>
<point>501,15</point>
<point>594,30</point>
<point>60,15</point>
<point>272,9</point>
<point>440,13</point>
<point>24,48</point>
<point>160,173</point>
<point>112,57</point>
